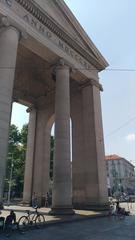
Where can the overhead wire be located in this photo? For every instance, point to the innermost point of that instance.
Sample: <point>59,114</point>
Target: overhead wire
<point>119,128</point>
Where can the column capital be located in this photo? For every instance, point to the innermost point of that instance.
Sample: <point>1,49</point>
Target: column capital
<point>59,65</point>
<point>30,109</point>
<point>91,82</point>
<point>5,23</point>
<point>62,64</point>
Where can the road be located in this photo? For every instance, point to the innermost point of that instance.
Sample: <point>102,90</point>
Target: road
<point>92,229</point>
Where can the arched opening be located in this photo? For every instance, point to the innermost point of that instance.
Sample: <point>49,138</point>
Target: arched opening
<point>48,162</point>
<point>16,153</point>
<point>52,152</point>
<point>52,149</point>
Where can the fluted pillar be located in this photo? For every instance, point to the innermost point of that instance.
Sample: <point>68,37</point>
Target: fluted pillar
<point>28,177</point>
<point>62,186</point>
<point>9,38</point>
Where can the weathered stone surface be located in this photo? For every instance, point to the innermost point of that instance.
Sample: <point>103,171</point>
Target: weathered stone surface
<point>29,74</point>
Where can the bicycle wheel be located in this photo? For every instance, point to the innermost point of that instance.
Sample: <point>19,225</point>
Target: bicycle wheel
<point>23,224</point>
<point>32,218</point>
<point>40,220</point>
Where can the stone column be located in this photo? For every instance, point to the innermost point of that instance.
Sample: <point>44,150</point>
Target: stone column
<point>41,158</point>
<point>9,38</point>
<point>62,186</point>
<point>94,157</point>
<point>78,173</point>
<point>28,177</point>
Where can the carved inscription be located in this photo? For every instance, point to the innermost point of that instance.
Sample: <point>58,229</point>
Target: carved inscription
<point>64,47</point>
<point>42,29</point>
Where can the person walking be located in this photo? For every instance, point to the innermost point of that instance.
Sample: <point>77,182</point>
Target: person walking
<point>34,201</point>
<point>47,200</point>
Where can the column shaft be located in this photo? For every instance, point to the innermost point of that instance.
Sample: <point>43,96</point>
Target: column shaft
<point>78,173</point>
<point>8,51</point>
<point>28,177</point>
<point>42,157</point>
<point>94,156</point>
<point>62,186</point>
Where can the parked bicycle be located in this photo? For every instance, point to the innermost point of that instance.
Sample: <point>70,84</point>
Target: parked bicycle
<point>31,219</point>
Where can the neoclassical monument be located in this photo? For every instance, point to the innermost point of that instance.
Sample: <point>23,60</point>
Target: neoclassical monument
<point>48,63</point>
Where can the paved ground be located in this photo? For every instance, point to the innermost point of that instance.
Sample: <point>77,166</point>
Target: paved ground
<point>91,229</point>
<point>79,214</point>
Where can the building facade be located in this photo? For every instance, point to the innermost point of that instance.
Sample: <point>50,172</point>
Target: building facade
<point>121,175</point>
<point>49,64</point>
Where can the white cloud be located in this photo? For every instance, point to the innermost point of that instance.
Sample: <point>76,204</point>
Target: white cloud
<point>130,137</point>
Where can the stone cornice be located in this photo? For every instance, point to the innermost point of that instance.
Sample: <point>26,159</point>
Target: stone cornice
<point>56,28</point>
<point>91,82</point>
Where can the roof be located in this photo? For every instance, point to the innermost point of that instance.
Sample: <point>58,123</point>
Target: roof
<point>113,157</point>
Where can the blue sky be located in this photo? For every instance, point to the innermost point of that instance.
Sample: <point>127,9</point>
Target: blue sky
<point>110,25</point>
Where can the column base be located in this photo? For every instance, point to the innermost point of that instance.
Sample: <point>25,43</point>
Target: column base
<point>25,203</point>
<point>62,211</point>
<point>91,206</point>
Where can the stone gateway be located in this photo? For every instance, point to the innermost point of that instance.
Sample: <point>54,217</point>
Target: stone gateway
<point>48,63</point>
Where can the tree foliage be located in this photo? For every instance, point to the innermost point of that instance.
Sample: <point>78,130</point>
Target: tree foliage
<point>24,132</point>
<point>16,159</point>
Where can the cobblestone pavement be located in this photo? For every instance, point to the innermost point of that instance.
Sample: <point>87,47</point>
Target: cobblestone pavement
<point>93,229</point>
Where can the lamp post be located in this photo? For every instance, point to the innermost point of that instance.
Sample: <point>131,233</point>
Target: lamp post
<point>10,180</point>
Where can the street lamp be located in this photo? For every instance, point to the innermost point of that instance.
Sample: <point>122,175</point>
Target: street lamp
<point>10,180</point>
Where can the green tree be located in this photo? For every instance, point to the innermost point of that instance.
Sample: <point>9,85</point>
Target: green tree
<point>14,139</point>
<point>24,133</point>
<point>17,153</point>
<point>14,135</point>
<point>16,158</point>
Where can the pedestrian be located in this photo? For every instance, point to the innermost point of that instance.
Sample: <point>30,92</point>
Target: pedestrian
<point>2,220</point>
<point>47,200</point>
<point>34,201</point>
<point>130,202</point>
<point>10,220</point>
<point>118,208</point>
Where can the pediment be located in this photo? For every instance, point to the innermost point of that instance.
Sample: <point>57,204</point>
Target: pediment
<point>54,10</point>
<point>60,13</point>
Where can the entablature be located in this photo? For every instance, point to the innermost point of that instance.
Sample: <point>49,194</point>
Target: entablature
<point>30,18</point>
